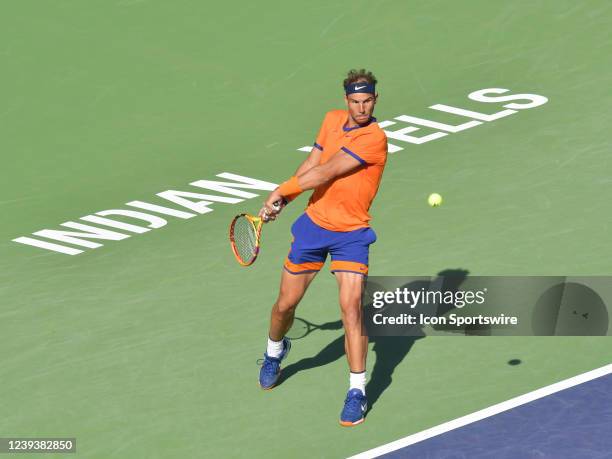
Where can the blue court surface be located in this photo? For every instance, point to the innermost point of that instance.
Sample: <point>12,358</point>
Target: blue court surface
<point>571,419</point>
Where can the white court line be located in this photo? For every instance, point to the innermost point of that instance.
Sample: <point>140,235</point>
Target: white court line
<point>485,413</point>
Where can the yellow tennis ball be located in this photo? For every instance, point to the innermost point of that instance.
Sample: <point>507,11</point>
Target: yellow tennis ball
<point>434,200</point>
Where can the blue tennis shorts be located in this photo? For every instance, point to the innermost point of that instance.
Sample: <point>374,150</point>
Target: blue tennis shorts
<point>349,250</point>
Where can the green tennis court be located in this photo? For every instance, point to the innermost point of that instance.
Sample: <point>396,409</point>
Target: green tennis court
<point>146,346</point>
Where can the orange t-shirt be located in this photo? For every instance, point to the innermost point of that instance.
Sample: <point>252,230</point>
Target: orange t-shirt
<point>343,203</point>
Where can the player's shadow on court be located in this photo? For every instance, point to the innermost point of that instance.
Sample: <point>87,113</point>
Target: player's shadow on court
<point>390,351</point>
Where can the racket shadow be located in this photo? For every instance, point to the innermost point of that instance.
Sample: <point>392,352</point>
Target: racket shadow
<point>301,328</point>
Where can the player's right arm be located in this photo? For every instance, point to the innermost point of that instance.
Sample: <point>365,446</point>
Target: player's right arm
<point>338,165</point>
<point>313,160</point>
<point>363,150</point>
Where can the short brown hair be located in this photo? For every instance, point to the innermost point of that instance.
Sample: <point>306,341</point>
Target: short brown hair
<point>359,76</point>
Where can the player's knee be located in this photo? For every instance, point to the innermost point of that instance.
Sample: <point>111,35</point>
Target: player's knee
<point>349,300</point>
<point>288,298</point>
<point>351,310</point>
<point>286,304</point>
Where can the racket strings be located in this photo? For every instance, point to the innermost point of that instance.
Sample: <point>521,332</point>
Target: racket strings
<point>245,239</point>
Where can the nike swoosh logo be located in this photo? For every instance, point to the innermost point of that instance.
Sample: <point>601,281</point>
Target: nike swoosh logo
<point>357,88</point>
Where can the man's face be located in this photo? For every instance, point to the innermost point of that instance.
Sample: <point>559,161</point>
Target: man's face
<point>360,106</point>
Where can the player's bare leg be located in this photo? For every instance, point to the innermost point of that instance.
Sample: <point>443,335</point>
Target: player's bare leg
<point>355,345</point>
<point>292,289</point>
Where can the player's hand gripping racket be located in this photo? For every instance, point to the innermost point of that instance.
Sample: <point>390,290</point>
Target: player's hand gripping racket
<point>245,236</point>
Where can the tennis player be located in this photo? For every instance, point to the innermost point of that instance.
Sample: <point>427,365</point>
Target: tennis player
<point>344,169</point>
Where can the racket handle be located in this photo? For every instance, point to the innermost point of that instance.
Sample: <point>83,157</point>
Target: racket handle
<point>279,204</point>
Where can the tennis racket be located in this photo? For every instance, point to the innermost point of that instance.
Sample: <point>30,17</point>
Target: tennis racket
<point>245,236</point>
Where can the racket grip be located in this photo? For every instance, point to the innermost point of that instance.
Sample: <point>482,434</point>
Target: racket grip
<point>279,204</point>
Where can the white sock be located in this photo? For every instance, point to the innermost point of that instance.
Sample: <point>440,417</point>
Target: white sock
<point>358,381</point>
<point>274,348</point>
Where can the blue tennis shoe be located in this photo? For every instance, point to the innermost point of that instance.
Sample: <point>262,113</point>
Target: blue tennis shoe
<point>355,407</point>
<point>270,368</point>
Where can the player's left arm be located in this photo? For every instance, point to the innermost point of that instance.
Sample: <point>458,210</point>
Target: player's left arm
<point>360,151</point>
<point>313,160</point>
<point>339,164</point>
